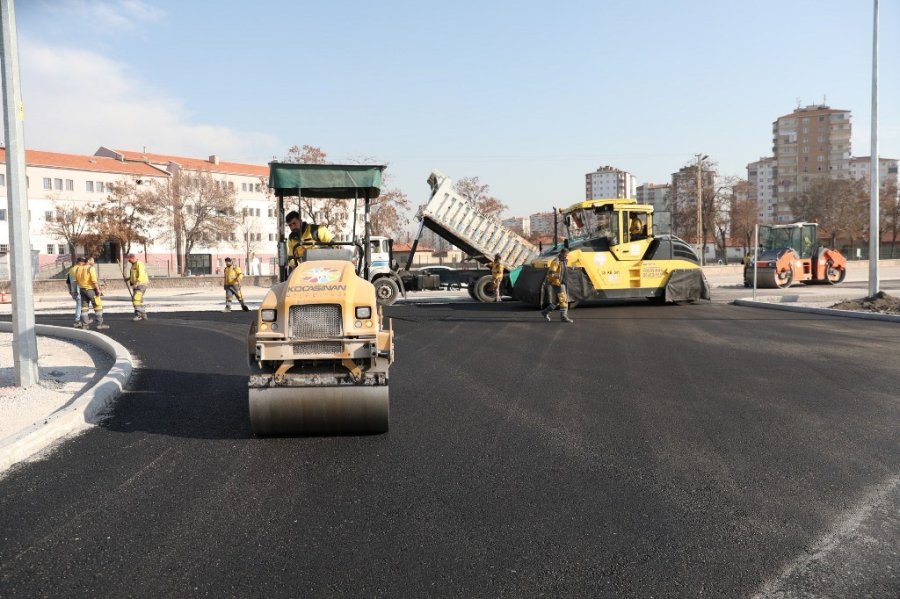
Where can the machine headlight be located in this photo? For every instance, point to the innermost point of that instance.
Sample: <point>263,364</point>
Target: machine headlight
<point>363,312</point>
<point>268,315</point>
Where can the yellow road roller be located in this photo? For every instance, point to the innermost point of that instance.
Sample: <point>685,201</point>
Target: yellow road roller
<point>319,351</point>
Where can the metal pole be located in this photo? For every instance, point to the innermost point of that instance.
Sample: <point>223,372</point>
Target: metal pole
<point>24,336</point>
<point>755,256</point>
<point>700,207</point>
<point>873,192</point>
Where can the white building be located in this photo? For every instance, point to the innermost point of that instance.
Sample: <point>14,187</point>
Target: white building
<point>609,182</point>
<point>761,178</point>
<point>860,167</point>
<point>56,180</point>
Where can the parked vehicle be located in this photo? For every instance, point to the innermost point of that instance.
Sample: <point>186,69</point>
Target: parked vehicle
<point>792,253</point>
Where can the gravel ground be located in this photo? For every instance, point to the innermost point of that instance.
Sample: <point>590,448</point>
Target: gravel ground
<point>64,369</point>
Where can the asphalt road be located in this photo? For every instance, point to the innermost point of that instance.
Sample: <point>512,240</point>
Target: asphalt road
<point>665,451</point>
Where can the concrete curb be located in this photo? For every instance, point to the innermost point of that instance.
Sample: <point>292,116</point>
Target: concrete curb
<point>811,310</point>
<point>83,412</point>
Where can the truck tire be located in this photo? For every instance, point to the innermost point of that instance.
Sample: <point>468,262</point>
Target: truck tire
<point>484,290</point>
<point>386,291</point>
<point>471,289</point>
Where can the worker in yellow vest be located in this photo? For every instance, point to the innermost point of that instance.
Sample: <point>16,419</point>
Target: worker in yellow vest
<point>138,280</point>
<point>557,278</point>
<point>304,236</point>
<point>89,288</point>
<point>74,290</point>
<point>233,277</point>
<point>497,276</point>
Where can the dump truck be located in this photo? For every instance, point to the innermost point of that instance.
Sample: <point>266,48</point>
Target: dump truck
<point>319,351</point>
<point>616,252</point>
<point>481,236</point>
<point>389,279</point>
<point>793,253</point>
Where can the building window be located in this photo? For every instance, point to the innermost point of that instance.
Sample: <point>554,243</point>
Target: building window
<point>63,249</point>
<point>101,186</point>
<point>2,180</point>
<point>271,237</point>
<point>48,216</point>
<point>50,248</point>
<point>4,249</point>
<point>48,184</point>
<point>257,187</point>
<point>57,184</point>
<point>2,213</point>
<point>89,186</point>
<point>70,185</point>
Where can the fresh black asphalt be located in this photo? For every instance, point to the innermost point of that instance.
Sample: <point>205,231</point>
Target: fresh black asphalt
<point>642,451</point>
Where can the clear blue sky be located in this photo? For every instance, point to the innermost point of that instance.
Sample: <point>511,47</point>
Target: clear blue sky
<point>528,96</point>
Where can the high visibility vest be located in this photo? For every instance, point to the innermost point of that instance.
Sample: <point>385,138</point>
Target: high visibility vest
<point>497,270</point>
<point>309,236</point>
<point>233,275</point>
<point>554,273</point>
<point>86,276</point>
<point>138,274</point>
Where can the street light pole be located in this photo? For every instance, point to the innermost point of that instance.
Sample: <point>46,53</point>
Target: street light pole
<point>873,190</point>
<point>700,239</point>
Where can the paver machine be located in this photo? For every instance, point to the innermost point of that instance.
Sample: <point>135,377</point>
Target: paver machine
<point>616,252</point>
<point>791,253</point>
<point>319,352</point>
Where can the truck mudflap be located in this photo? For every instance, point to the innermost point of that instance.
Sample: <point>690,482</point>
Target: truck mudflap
<point>686,285</point>
<point>529,286</point>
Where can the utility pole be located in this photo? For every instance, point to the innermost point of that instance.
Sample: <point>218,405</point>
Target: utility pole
<point>873,190</point>
<point>24,336</point>
<point>700,240</point>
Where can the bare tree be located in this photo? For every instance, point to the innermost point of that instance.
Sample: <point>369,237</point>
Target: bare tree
<point>76,225</point>
<point>125,218</point>
<point>388,212</point>
<point>321,212</point>
<point>477,193</point>
<point>199,209</point>
<point>889,213</point>
<point>838,205</point>
<point>743,221</point>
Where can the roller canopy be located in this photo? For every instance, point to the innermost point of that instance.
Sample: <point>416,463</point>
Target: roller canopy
<point>340,181</point>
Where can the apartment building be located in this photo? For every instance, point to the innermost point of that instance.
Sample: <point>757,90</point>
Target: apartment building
<point>683,198</point>
<point>761,179</point>
<point>655,194</point>
<point>519,224</point>
<point>542,223</point>
<point>861,166</point>
<point>609,182</point>
<point>809,143</point>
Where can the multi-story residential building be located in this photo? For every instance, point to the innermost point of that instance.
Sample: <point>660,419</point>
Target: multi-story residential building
<point>542,223</point>
<point>810,143</point>
<point>861,166</point>
<point>519,224</point>
<point>609,182</point>
<point>761,178</point>
<point>655,194</point>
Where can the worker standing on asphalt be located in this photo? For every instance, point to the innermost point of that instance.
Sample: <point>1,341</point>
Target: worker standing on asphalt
<point>496,276</point>
<point>74,289</point>
<point>557,278</point>
<point>304,236</point>
<point>89,285</point>
<point>138,280</point>
<point>233,277</point>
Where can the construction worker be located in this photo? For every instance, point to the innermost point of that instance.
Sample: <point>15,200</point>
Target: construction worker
<point>89,288</point>
<point>304,236</point>
<point>233,277</point>
<point>496,276</point>
<point>557,278</point>
<point>138,280</point>
<point>74,289</point>
<point>636,226</point>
